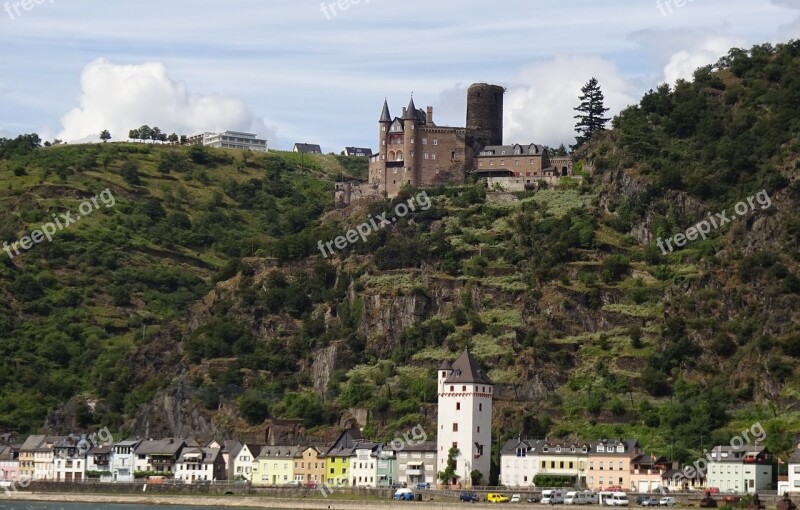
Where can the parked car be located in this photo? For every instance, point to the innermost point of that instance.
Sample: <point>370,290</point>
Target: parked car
<point>640,500</point>
<point>403,495</point>
<point>423,486</point>
<point>293,483</point>
<point>533,499</point>
<point>397,485</point>
<point>469,497</point>
<point>618,499</point>
<point>713,490</point>
<point>515,498</point>
<point>494,497</point>
<point>667,501</point>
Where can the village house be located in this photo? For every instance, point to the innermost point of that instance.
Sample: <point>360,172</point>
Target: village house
<point>69,458</point>
<point>43,465</point>
<point>240,461</point>
<point>363,464</point>
<point>748,468</point>
<point>123,460</point>
<point>9,462</point>
<point>158,456</point>
<point>274,465</point>
<point>309,465</point>
<point>416,464</point>
<point>200,464</point>
<point>794,471</point>
<point>566,458</point>
<point>338,457</point>
<point>519,462</point>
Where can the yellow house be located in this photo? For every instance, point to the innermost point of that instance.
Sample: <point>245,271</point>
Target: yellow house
<point>274,466</point>
<point>611,464</point>
<point>337,458</point>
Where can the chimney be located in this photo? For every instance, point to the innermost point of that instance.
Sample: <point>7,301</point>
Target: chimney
<point>430,116</point>
<point>404,111</point>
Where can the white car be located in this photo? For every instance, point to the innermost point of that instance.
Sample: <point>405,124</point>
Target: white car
<point>515,498</point>
<point>667,501</point>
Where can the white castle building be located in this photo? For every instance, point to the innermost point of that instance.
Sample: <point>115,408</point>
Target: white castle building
<point>464,418</point>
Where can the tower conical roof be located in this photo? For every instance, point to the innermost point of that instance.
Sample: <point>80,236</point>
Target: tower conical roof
<point>411,111</point>
<point>466,369</point>
<point>385,115</point>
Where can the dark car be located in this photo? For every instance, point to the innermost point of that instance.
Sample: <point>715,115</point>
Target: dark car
<point>533,499</point>
<point>423,486</point>
<point>469,497</point>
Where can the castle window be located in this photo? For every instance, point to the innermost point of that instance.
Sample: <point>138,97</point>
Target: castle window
<point>458,406</point>
<point>451,388</point>
<point>425,155</point>
<point>480,407</point>
<point>435,141</point>
<point>433,156</point>
<point>516,163</point>
<point>444,374</point>
<point>424,141</point>
<point>479,429</point>
<point>463,388</point>
<point>455,427</point>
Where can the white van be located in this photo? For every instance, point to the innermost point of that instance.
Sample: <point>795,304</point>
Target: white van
<point>579,498</point>
<point>618,499</point>
<point>604,498</point>
<point>553,496</point>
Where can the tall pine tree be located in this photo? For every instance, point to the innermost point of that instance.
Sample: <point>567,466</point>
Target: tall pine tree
<point>591,111</point>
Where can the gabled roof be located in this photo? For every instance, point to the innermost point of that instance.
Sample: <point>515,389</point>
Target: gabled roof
<point>308,148</point>
<point>101,449</point>
<point>512,445</point>
<point>169,446</point>
<point>610,446</point>
<point>466,369</point>
<point>278,451</point>
<point>346,443</point>
<point>48,443</point>
<point>385,115</point>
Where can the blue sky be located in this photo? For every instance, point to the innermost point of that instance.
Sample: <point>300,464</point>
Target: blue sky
<point>295,72</point>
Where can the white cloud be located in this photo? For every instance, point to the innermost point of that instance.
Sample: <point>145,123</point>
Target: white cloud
<point>123,97</point>
<point>684,63</point>
<point>540,107</point>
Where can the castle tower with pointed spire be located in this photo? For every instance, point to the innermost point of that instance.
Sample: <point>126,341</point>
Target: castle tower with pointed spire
<point>415,152</point>
<point>464,417</point>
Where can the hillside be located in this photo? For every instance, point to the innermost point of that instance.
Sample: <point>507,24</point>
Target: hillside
<point>590,329</point>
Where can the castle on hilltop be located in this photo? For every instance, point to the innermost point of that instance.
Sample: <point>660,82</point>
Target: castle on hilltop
<point>413,151</point>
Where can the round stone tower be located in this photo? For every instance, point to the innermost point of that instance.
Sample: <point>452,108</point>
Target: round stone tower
<point>484,115</point>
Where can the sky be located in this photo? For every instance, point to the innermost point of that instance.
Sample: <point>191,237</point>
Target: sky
<point>318,72</point>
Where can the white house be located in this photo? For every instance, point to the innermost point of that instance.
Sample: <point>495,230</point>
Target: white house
<point>123,460</point>
<point>204,464</point>
<point>98,460</point>
<point>69,458</point>
<point>794,471</point>
<point>744,469</point>
<point>364,465</point>
<point>240,461</point>
<point>464,417</point>
<point>519,462</point>
<point>158,455</point>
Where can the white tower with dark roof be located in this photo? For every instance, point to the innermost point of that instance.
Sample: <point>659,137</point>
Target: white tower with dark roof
<point>464,417</point>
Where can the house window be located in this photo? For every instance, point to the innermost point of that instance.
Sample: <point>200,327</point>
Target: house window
<point>571,465</point>
<point>544,464</point>
<point>591,465</point>
<point>451,388</point>
<point>601,465</point>
<point>455,445</point>
<point>463,388</point>
<point>561,465</point>
<point>455,427</point>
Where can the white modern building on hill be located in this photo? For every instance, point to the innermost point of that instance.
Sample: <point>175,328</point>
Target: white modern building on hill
<point>230,140</point>
<point>464,418</point>
<point>744,469</point>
